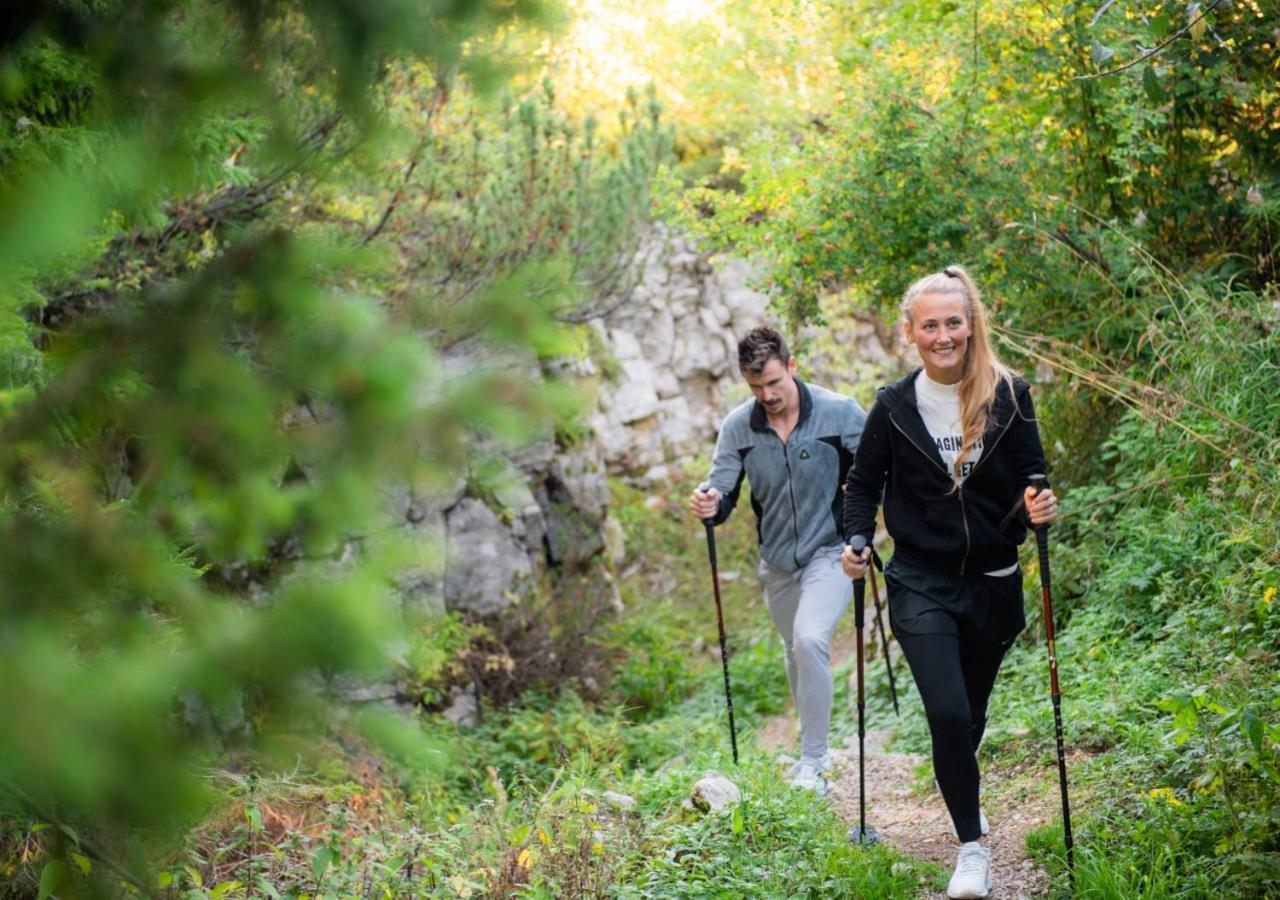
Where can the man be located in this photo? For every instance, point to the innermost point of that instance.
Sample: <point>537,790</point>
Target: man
<point>794,442</point>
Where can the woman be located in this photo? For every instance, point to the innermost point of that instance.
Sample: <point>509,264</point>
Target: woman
<point>951,448</point>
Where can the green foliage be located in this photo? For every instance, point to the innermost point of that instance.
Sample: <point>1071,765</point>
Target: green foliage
<point>994,152</point>
<point>207,393</point>
<point>435,656</point>
<point>494,184</point>
<point>655,673</point>
<point>776,842</point>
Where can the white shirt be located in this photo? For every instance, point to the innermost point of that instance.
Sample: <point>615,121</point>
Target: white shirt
<point>939,406</point>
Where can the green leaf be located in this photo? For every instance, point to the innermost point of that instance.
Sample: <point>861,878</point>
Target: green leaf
<point>320,860</point>
<point>223,889</point>
<point>1252,726</point>
<point>255,818</point>
<point>82,863</point>
<point>1151,84</point>
<point>518,836</point>
<point>53,877</point>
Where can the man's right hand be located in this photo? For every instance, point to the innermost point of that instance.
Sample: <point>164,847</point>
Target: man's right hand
<point>855,564</point>
<point>704,504</point>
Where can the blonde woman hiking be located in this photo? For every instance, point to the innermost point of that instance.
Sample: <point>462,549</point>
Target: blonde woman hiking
<point>950,449</point>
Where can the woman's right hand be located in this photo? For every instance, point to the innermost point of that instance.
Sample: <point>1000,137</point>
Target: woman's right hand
<point>854,564</point>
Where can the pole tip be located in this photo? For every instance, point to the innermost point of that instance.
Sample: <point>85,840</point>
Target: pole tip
<point>863,836</point>
<point>858,543</point>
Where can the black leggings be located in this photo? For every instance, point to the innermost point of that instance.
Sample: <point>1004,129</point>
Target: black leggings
<point>954,632</point>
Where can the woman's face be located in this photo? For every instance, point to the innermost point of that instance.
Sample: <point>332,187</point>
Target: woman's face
<point>939,329</point>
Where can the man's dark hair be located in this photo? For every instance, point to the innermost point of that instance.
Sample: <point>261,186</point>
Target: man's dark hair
<point>758,347</point>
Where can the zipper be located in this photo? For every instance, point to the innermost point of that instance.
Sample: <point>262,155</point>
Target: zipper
<point>917,446</point>
<point>791,491</point>
<point>986,452</point>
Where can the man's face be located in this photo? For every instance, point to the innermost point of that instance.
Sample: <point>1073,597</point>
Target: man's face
<point>775,387</point>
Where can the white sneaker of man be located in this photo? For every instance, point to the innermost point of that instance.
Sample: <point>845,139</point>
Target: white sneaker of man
<point>809,775</point>
<point>972,877</point>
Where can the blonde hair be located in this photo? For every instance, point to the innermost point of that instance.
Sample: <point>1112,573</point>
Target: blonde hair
<point>982,370</point>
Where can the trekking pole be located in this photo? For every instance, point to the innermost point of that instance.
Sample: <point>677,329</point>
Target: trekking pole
<point>884,637</point>
<point>724,653</point>
<point>1039,482</point>
<point>862,834</point>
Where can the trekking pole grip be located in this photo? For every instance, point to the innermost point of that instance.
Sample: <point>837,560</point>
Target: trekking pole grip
<point>857,544</point>
<point>1040,483</point>
<point>710,524</point>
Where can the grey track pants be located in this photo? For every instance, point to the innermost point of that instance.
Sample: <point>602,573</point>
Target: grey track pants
<point>806,604</point>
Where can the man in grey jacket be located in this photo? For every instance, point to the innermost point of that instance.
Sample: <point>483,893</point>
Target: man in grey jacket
<point>794,443</point>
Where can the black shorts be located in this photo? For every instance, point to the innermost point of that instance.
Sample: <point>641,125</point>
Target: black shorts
<point>982,608</point>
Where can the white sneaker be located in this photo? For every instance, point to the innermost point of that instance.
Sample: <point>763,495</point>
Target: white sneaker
<point>972,877</point>
<point>809,776</point>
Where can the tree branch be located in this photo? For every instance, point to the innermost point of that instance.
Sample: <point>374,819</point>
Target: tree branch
<point>1154,50</point>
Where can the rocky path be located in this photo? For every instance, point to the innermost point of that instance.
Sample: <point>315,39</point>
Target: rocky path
<point>913,819</point>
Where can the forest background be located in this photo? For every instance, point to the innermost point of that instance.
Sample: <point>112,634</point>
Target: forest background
<point>234,241</point>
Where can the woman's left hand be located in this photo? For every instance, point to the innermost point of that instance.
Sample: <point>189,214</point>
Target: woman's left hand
<point>1042,508</point>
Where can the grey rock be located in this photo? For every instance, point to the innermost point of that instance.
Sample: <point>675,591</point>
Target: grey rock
<point>615,542</point>
<point>619,801</point>
<point>484,561</point>
<point>625,345</point>
<point>574,499</point>
<point>637,395</point>
<point>656,474</point>
<point>463,710</point>
<point>714,793</point>
<point>665,382</point>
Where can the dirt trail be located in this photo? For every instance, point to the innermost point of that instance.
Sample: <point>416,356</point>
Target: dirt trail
<point>915,821</point>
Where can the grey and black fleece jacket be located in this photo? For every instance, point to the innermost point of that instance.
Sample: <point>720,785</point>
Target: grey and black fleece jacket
<point>795,487</point>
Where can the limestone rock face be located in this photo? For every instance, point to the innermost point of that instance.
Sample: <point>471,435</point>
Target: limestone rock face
<point>484,559</point>
<point>667,353</point>
<point>675,345</point>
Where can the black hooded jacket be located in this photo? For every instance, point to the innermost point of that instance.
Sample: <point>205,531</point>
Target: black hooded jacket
<point>934,524</point>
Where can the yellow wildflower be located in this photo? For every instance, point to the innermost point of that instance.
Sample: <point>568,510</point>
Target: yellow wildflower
<point>1165,794</point>
<point>1268,595</point>
<point>525,859</point>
